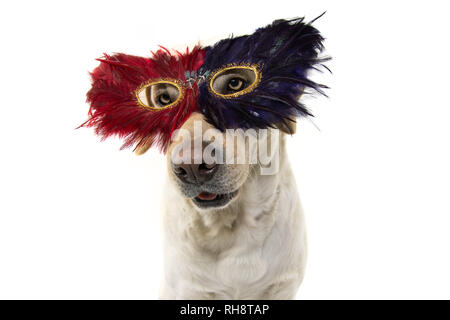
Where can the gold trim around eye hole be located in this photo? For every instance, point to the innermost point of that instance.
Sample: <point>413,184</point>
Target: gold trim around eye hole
<point>256,68</point>
<point>175,82</point>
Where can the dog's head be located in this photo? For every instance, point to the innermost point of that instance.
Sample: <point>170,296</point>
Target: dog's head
<point>210,166</point>
<point>250,83</point>
<point>193,163</point>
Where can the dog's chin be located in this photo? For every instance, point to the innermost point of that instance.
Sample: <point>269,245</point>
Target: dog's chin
<point>214,201</point>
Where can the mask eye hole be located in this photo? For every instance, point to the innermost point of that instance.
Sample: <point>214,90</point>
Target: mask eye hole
<point>234,81</point>
<point>160,94</point>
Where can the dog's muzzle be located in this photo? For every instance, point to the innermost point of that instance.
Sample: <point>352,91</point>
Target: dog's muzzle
<point>195,173</point>
<point>201,177</point>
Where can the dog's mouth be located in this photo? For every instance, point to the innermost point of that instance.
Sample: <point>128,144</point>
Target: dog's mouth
<point>206,200</point>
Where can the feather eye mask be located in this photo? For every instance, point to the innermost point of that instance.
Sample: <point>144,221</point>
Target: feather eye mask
<point>252,81</point>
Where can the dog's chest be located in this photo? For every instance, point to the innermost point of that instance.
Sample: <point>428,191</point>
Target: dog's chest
<point>235,258</point>
<point>237,254</point>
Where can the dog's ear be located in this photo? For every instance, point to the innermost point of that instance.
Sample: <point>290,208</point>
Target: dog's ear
<point>143,146</point>
<point>141,150</point>
<point>288,126</point>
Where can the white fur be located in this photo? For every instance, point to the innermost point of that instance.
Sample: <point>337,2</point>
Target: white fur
<point>253,249</point>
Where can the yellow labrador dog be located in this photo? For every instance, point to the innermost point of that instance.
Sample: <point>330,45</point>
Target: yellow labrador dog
<point>233,224</point>
<point>231,231</point>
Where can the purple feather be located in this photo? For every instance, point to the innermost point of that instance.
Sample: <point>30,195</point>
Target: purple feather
<point>286,50</point>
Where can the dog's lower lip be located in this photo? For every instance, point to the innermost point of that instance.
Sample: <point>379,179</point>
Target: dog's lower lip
<point>206,196</point>
<point>216,200</point>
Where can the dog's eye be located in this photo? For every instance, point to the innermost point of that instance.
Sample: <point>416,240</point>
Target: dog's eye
<point>164,99</point>
<point>234,81</point>
<point>159,94</point>
<point>236,84</point>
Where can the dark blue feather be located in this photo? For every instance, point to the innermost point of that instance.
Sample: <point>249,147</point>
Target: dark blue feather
<point>286,50</point>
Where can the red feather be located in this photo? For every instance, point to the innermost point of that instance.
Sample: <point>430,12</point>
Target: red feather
<point>113,107</point>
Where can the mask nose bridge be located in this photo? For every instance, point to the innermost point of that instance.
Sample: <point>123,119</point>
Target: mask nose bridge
<point>197,77</point>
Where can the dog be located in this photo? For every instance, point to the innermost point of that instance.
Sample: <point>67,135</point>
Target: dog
<point>244,240</point>
<point>233,223</point>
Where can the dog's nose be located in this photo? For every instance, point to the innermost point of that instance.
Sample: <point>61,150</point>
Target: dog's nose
<point>195,173</point>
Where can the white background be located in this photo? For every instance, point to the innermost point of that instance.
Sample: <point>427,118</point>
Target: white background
<point>80,219</point>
